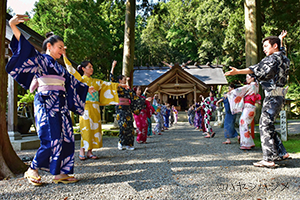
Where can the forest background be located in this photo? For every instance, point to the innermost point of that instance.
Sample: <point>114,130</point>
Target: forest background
<point>172,31</point>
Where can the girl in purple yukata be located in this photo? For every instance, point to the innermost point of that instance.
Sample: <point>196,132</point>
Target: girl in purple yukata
<point>57,93</point>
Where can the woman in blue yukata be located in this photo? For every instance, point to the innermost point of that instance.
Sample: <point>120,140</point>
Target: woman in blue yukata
<point>57,93</point>
<point>229,122</point>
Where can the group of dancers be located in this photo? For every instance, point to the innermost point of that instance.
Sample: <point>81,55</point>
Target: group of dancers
<point>199,114</point>
<point>236,100</point>
<point>60,90</point>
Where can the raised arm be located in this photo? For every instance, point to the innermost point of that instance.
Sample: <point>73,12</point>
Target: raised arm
<point>70,68</point>
<point>167,64</point>
<point>145,91</point>
<point>282,36</point>
<point>185,64</point>
<point>14,21</point>
<point>113,65</point>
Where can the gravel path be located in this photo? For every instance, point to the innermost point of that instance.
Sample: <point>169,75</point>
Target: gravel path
<point>180,164</point>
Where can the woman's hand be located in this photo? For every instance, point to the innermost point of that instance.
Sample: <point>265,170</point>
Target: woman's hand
<point>92,90</point>
<point>64,51</point>
<point>14,21</point>
<point>124,86</point>
<point>17,19</point>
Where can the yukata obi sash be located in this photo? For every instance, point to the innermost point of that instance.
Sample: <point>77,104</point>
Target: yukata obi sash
<point>48,82</point>
<point>124,101</point>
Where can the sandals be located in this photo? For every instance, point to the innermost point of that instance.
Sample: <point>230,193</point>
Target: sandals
<point>245,148</point>
<point>33,179</point>
<point>65,180</point>
<point>282,158</point>
<point>226,142</point>
<point>93,157</point>
<point>267,164</point>
<point>82,157</point>
<point>210,136</point>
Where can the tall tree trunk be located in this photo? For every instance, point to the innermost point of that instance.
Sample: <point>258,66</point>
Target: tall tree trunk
<point>10,163</point>
<point>253,46</point>
<point>128,52</point>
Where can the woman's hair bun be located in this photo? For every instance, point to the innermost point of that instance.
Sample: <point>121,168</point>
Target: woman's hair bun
<point>49,34</point>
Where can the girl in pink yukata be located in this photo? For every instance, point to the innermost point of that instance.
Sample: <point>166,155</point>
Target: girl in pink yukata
<point>243,100</point>
<point>141,119</point>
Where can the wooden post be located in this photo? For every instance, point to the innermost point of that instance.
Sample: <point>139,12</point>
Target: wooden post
<point>283,125</point>
<point>128,52</point>
<point>253,37</point>
<point>252,31</point>
<point>195,94</point>
<point>12,115</point>
<point>10,163</point>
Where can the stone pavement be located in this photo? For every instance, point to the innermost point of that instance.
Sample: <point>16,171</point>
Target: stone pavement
<point>180,164</point>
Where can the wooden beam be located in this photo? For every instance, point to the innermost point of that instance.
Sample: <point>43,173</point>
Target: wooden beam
<point>182,85</point>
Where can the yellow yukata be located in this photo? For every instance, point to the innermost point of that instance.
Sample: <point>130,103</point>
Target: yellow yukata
<point>90,121</point>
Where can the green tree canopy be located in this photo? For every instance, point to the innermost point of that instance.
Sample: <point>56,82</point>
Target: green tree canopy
<point>92,30</point>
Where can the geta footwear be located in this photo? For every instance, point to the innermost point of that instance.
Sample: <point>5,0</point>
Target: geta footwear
<point>139,142</point>
<point>245,148</point>
<point>263,163</point>
<point>200,129</point>
<point>65,180</point>
<point>205,133</point>
<point>159,134</point>
<point>120,147</point>
<point>93,157</point>
<point>33,179</point>
<point>130,148</point>
<point>283,158</point>
<point>213,134</point>
<point>81,157</point>
<point>226,142</point>
<point>207,136</point>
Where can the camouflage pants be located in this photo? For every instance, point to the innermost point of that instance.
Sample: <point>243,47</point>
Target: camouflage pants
<point>271,144</point>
